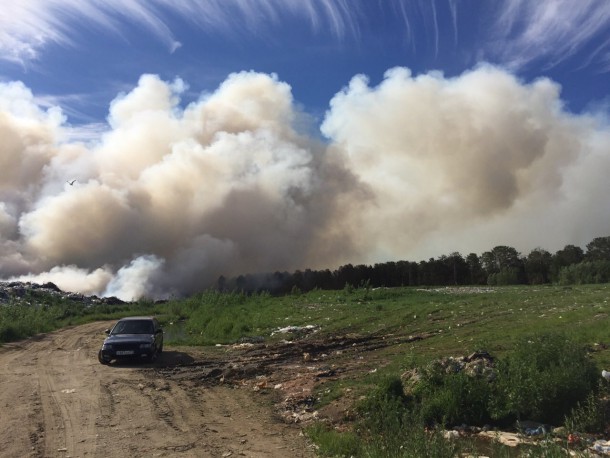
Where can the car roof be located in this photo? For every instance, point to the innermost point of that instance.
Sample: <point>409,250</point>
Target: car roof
<point>130,318</point>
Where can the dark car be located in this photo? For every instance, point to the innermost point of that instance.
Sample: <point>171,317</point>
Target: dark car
<point>137,338</point>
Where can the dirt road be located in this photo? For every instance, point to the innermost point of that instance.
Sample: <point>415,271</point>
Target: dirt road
<point>56,400</point>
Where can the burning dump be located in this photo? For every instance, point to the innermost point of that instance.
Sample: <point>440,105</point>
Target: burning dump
<point>168,197</point>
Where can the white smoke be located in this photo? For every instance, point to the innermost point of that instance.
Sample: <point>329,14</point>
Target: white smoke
<point>470,162</point>
<point>135,280</point>
<point>169,198</point>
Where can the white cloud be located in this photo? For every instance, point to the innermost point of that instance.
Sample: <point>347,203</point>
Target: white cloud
<point>515,33</point>
<point>27,26</point>
<point>554,30</point>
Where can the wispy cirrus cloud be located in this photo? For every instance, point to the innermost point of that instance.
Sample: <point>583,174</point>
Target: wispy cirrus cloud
<point>338,16</point>
<point>514,33</point>
<point>525,32</point>
<point>518,32</point>
<point>28,25</point>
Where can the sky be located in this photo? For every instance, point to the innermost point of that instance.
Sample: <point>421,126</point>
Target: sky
<point>151,146</point>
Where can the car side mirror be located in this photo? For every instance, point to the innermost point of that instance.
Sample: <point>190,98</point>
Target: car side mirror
<point>107,331</point>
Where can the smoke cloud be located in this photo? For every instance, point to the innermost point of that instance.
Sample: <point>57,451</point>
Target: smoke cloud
<point>170,197</point>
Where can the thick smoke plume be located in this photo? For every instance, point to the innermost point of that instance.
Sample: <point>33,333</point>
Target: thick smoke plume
<point>171,197</point>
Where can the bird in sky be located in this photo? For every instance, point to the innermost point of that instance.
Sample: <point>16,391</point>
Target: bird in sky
<point>71,183</point>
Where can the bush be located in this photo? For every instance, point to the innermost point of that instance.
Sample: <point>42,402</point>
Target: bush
<point>585,273</point>
<point>590,416</point>
<point>506,276</point>
<point>454,399</point>
<point>383,411</point>
<point>394,427</point>
<point>542,380</point>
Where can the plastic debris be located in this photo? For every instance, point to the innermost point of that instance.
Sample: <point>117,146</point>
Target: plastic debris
<point>540,430</point>
<point>296,329</point>
<point>601,446</point>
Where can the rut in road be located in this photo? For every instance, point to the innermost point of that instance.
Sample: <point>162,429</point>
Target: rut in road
<point>58,401</point>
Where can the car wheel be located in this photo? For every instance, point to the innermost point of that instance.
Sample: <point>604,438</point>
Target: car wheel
<point>102,359</point>
<point>152,358</point>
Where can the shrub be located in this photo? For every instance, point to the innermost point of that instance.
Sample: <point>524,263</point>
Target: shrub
<point>394,427</point>
<point>590,416</point>
<point>506,276</point>
<point>585,273</point>
<point>454,399</point>
<point>384,409</point>
<point>542,380</point>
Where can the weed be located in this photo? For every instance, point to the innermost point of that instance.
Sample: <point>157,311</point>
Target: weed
<point>332,443</point>
<point>590,416</point>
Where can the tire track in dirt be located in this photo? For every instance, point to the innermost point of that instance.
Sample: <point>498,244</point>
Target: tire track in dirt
<point>58,401</point>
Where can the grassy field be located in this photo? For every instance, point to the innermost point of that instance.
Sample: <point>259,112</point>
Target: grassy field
<point>464,319</point>
<point>456,321</point>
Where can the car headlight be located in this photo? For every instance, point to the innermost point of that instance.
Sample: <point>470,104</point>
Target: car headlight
<point>145,345</point>
<point>107,347</point>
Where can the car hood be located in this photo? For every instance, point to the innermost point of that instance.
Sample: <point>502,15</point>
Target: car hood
<point>120,338</point>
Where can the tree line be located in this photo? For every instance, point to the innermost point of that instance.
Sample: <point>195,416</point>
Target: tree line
<point>502,265</point>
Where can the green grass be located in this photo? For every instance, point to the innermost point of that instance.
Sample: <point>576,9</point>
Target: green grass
<point>458,320</point>
<point>465,319</point>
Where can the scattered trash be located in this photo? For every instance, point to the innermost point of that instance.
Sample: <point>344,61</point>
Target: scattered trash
<point>606,374</point>
<point>601,446</point>
<point>508,439</point>
<point>573,439</point>
<point>452,434</point>
<point>535,431</point>
<point>310,328</point>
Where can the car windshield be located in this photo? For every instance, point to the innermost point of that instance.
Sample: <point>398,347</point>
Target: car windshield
<point>133,327</point>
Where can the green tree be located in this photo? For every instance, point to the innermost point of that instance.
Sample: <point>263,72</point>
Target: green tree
<point>568,256</point>
<point>476,273</point>
<point>598,249</point>
<point>500,257</point>
<point>538,266</point>
<point>458,269</point>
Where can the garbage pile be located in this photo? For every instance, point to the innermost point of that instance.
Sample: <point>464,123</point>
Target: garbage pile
<point>24,293</point>
<point>477,364</point>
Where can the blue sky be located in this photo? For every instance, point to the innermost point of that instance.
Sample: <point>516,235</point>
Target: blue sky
<point>80,54</point>
<point>150,146</point>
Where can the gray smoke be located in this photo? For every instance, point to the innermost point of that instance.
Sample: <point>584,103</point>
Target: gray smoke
<point>169,198</point>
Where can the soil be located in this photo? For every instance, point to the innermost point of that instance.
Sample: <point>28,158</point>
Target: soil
<point>250,399</point>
